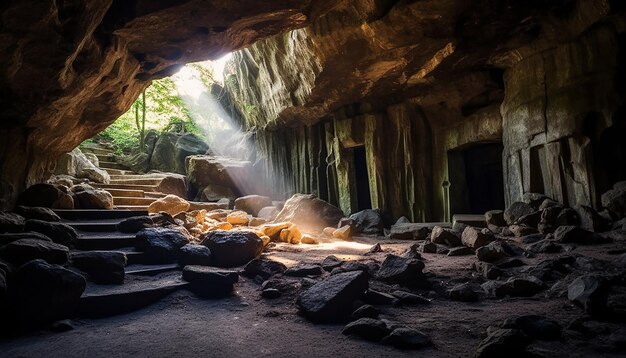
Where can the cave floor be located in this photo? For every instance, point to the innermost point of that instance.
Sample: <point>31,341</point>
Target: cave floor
<point>246,325</point>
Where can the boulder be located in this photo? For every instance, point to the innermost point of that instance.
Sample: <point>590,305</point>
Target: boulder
<point>310,213</point>
<point>194,254</point>
<point>365,311</point>
<point>43,292</point>
<point>135,224</point>
<point>615,199</point>
<point>10,222</point>
<point>252,204</point>
<point>475,238</point>
<point>487,270</point>
<point>522,230</point>
<point>137,162</point>
<point>170,204</point>
<point>402,270</point>
<point>238,218</point>
<point>343,233</point>
<point>21,251</point>
<point>264,268</point>
<point>591,220</point>
<point>407,338</point>
<point>446,237</point>
<point>76,164</point>
<point>47,196</point>
<point>186,145</point>
<point>567,217</point>
<point>207,170</point>
<point>494,251</point>
<point>87,197</point>
<point>58,232</point>
<point>209,281</point>
<point>368,221</point>
<point>268,213</point>
<point>330,300</point>
<point>517,210</point>
<point>576,235</point>
<point>503,342</point>
<point>303,270</point>
<point>233,248</point>
<point>590,293</point>
<point>534,199</point>
<point>163,156</point>
<point>521,286</point>
<point>464,292</point>
<point>103,267</point>
<point>161,244</point>
<point>495,217</point>
<point>10,237</point>
<point>331,262</point>
<point>171,183</point>
<point>409,231</point>
<point>367,328</point>
<point>37,213</point>
<point>535,327</point>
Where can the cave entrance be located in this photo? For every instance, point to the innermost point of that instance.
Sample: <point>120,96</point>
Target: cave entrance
<point>608,150</point>
<point>361,178</point>
<point>476,178</point>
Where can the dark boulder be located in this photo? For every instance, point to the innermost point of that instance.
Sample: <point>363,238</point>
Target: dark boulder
<point>368,221</point>
<point>330,300</point>
<point>24,250</point>
<point>615,199</point>
<point>367,328</point>
<point>303,270</point>
<point>407,338</point>
<point>534,199</point>
<point>37,213</point>
<point>135,224</point>
<point>209,281</point>
<point>365,311</point>
<point>161,244</point>
<point>102,266</point>
<point>59,233</point>
<point>88,197</point>
<point>444,236</point>
<point>331,262</point>
<point>43,292</point>
<point>516,211</point>
<point>11,222</point>
<point>409,231</point>
<point>264,268</point>
<point>502,343</point>
<point>494,251</point>
<point>47,196</point>
<point>589,292</point>
<point>495,218</point>
<point>535,327</point>
<point>464,292</point>
<point>402,270</point>
<point>252,204</point>
<point>10,237</point>
<point>576,235</point>
<point>233,248</point>
<point>475,238</point>
<point>194,254</point>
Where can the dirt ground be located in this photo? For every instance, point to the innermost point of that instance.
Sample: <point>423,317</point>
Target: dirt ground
<point>247,325</point>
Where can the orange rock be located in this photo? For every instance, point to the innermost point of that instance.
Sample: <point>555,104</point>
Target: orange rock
<point>308,239</point>
<point>343,233</point>
<point>329,231</point>
<point>171,204</point>
<point>257,221</point>
<point>291,235</point>
<point>273,230</point>
<point>238,218</point>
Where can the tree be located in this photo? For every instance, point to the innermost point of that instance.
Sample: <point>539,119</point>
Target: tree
<point>141,124</point>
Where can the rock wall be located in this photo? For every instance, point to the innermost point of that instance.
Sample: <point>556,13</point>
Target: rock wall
<point>70,68</point>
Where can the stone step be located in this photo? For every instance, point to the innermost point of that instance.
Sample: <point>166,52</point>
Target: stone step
<point>105,242</point>
<point>138,181</point>
<point>98,150</point>
<point>112,165</point>
<point>134,176</point>
<point>95,225</point>
<point>133,207</point>
<point>476,220</point>
<point>148,188</point>
<point>91,214</point>
<point>136,292</point>
<point>150,270</point>
<point>126,193</point>
<point>106,157</point>
<point>154,194</point>
<point>118,171</point>
<point>132,201</point>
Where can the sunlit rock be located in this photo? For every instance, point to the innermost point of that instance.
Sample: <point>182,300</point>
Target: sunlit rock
<point>310,213</point>
<point>170,204</point>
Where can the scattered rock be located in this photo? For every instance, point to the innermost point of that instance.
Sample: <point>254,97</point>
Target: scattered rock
<point>535,327</point>
<point>209,281</point>
<point>522,286</point>
<point>351,266</point>
<point>495,217</point>
<point>464,293</point>
<point>45,195</point>
<point>88,197</point>
<point>44,292</point>
<point>589,292</point>
<point>475,238</point>
<point>161,244</point>
<point>494,251</point>
<point>102,266</point>
<point>194,254</point>
<point>264,268</point>
<point>170,204</point>
<point>330,300</point>
<point>37,213</point>
<point>407,338</point>
<point>59,233</point>
<point>516,211</point>
<point>428,247</point>
<point>252,204</point>
<point>375,249</point>
<point>22,251</point>
<point>409,231</point>
<point>567,217</point>
<point>308,239</point>
<point>310,213</point>
<point>374,297</point>
<point>343,233</point>
<point>615,199</point>
<point>135,224</point>
<point>487,270</point>
<point>446,237</point>
<point>576,235</point>
<point>534,199</point>
<point>365,311</point>
<point>367,328</point>
<point>545,246</point>
<point>590,220</point>
<point>522,230</point>
<point>304,270</point>
<point>368,221</point>
<point>233,248</point>
<point>530,220</point>
<point>238,218</point>
<point>331,262</point>
<point>10,222</point>
<point>502,343</point>
<point>291,235</point>
<point>402,270</point>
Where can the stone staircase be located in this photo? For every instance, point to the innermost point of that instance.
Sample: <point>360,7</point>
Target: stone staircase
<point>130,190</point>
<point>144,284</point>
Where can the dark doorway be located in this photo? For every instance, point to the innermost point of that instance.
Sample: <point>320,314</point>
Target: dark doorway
<point>361,177</point>
<point>476,179</point>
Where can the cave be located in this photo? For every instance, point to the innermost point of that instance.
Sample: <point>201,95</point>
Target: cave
<point>313,178</point>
